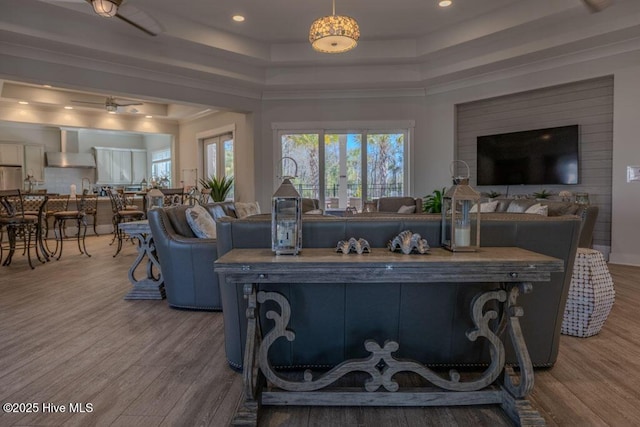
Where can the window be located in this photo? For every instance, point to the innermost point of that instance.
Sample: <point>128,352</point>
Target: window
<point>161,166</point>
<point>348,167</point>
<point>218,157</point>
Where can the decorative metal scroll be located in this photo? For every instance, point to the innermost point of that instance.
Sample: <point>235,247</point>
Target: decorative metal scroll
<point>381,374</point>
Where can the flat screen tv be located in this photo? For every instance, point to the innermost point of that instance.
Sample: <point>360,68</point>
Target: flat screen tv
<point>532,157</point>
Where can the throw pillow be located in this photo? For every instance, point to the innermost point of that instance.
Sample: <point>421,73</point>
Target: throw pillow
<point>407,209</point>
<point>201,223</point>
<point>485,207</point>
<point>519,206</point>
<point>245,209</point>
<point>538,209</point>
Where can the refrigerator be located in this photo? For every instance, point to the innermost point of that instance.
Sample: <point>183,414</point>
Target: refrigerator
<point>10,177</point>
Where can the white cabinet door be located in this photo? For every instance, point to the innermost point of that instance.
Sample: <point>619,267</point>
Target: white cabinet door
<point>139,165</point>
<point>11,154</point>
<point>34,161</point>
<point>104,166</point>
<point>121,167</point>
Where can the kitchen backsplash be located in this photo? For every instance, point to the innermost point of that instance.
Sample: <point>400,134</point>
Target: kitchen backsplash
<point>59,180</point>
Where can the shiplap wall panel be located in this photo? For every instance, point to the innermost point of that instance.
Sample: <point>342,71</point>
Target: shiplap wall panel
<point>588,103</point>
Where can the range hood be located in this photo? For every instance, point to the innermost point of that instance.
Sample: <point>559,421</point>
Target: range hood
<point>68,156</point>
<point>70,160</point>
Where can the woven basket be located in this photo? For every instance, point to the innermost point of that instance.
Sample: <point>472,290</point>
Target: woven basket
<point>591,295</point>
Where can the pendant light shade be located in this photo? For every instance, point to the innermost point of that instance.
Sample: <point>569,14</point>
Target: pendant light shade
<point>334,33</point>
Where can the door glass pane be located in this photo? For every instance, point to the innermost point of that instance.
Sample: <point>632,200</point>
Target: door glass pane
<point>228,165</point>
<point>343,171</point>
<point>385,165</point>
<point>210,160</point>
<point>303,148</point>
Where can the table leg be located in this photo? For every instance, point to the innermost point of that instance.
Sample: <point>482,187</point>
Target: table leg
<point>381,366</point>
<point>151,286</point>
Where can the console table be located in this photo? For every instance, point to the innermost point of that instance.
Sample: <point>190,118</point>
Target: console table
<point>514,268</point>
<point>151,286</point>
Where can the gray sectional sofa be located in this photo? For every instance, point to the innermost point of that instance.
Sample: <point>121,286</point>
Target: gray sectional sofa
<point>428,320</point>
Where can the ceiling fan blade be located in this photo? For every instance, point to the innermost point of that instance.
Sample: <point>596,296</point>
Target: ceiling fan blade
<point>140,27</point>
<point>597,5</point>
<point>127,104</point>
<point>86,102</point>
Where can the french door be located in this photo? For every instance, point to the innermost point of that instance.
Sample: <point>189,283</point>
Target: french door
<point>344,171</point>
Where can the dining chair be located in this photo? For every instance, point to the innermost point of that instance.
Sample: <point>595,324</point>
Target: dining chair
<point>173,196</point>
<point>23,229</point>
<point>120,215</point>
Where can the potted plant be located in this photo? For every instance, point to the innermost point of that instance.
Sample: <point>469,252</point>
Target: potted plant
<point>433,202</point>
<point>219,187</point>
<point>542,194</point>
<point>493,194</point>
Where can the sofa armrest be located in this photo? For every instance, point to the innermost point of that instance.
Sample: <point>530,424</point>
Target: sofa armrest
<point>187,265</point>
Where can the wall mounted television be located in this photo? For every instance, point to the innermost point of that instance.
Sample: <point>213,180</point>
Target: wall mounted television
<point>533,157</point>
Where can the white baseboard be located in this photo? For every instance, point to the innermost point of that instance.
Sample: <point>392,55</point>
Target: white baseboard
<point>625,259</point>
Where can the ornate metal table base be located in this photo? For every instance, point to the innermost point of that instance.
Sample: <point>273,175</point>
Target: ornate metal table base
<point>151,286</point>
<point>498,384</point>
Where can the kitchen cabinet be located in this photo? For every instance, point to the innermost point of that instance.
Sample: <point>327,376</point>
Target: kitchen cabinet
<point>120,166</point>
<point>11,154</point>
<point>104,159</point>
<point>139,166</point>
<point>34,162</point>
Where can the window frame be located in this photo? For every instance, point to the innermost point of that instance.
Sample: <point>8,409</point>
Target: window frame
<point>363,128</point>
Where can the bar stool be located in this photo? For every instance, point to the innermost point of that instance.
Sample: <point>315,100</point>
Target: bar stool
<point>90,208</point>
<point>59,225</point>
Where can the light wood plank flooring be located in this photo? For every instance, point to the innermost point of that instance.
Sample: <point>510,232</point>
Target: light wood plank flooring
<point>67,336</point>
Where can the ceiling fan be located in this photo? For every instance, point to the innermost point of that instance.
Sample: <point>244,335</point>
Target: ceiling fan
<point>122,10</point>
<point>110,104</point>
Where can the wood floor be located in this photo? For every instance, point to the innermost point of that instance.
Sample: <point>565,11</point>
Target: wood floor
<point>67,336</point>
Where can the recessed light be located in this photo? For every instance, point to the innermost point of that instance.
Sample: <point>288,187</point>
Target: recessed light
<point>149,117</point>
<point>68,107</point>
<point>445,3</point>
<point>47,86</point>
<point>23,102</point>
<point>111,112</point>
<point>238,18</point>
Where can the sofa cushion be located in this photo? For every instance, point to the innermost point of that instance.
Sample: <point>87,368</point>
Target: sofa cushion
<point>392,204</point>
<point>561,208</point>
<point>485,207</point>
<point>245,209</point>
<point>201,223</point>
<point>538,209</point>
<point>520,205</point>
<point>404,209</point>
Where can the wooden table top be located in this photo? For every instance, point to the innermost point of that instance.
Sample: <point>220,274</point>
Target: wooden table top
<point>325,264</point>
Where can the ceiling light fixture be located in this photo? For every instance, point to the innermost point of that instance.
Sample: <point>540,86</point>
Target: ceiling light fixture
<point>106,8</point>
<point>238,18</point>
<point>334,33</point>
<point>444,3</point>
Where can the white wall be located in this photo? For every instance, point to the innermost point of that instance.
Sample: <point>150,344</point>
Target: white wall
<point>440,132</point>
<point>625,232</point>
<point>189,150</point>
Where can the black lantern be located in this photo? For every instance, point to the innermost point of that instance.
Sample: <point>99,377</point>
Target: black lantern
<point>286,218</point>
<point>456,233</point>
